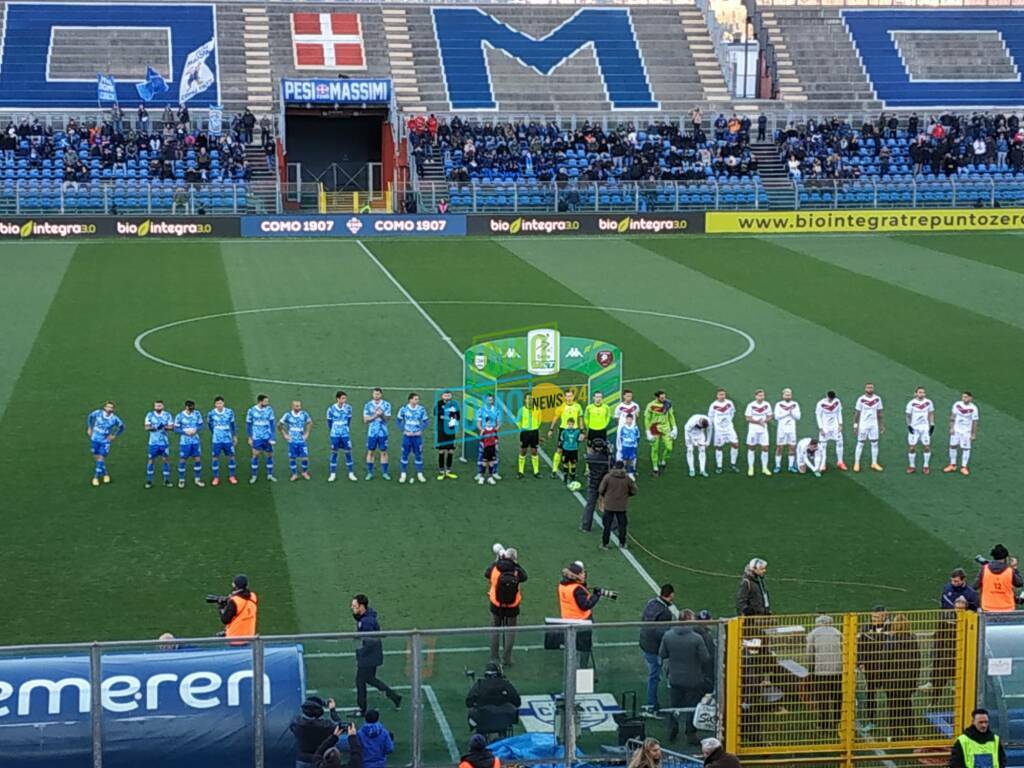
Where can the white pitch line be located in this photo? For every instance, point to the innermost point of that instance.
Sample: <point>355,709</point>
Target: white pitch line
<point>442,723</point>
<point>641,571</point>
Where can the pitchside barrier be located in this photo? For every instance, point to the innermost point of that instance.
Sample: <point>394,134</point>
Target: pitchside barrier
<point>865,689</point>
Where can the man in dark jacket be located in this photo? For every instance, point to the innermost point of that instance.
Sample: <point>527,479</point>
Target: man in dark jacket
<point>376,741</point>
<point>479,756</point>
<point>657,610</point>
<point>329,756</point>
<point>613,495</point>
<point>715,755</point>
<point>504,612</point>
<point>752,595</point>
<point>874,650</point>
<point>598,464</point>
<point>977,742</point>
<point>958,587</point>
<point>687,655</point>
<point>369,654</point>
<point>493,702</point>
<point>310,728</point>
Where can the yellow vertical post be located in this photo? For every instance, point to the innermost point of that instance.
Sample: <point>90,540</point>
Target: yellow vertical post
<point>321,198</point>
<point>848,713</point>
<point>355,202</point>
<point>733,660</point>
<point>389,200</point>
<point>967,670</point>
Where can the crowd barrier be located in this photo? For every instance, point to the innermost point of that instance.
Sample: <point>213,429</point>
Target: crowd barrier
<point>358,226</point>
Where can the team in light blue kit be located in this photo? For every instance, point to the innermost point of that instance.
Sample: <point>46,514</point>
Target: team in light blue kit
<point>412,420</point>
<point>339,425</point>
<point>158,423</point>
<point>295,427</point>
<point>259,426</point>
<point>103,426</point>
<point>488,416</point>
<point>221,421</point>
<point>627,441</point>
<point>188,424</point>
<point>376,413</point>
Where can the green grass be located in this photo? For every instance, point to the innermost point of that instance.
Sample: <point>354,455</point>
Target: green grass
<point>825,312</point>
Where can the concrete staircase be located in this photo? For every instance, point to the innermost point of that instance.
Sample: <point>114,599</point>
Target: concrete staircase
<point>818,64</point>
<point>774,177</point>
<point>964,55</point>
<point>264,181</point>
<point>400,52</point>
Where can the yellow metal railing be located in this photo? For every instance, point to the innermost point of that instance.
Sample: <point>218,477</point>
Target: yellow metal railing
<point>843,687</point>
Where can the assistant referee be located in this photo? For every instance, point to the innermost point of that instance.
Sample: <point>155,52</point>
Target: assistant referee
<point>529,421</point>
<point>570,410</point>
<point>596,419</point>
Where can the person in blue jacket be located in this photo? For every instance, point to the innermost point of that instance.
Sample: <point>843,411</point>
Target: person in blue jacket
<point>376,740</point>
<point>958,587</point>
<point>369,655</point>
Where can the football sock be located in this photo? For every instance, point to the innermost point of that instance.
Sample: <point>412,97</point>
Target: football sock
<point>535,461</point>
<point>839,449</point>
<point>448,460</point>
<point>750,458</point>
<point>292,466</point>
<point>778,461</point>
<point>912,461</point>
<point>927,457</point>
<point>418,461</point>
<point>197,470</point>
<point>734,455</point>
<point>857,452</point>
<point>522,464</point>
<point>333,463</point>
<point>654,455</point>
<point>403,464</point>
<point>255,466</point>
<point>874,453</point>
<point>150,471</point>
<point>689,459</point>
<point>965,456</point>
<point>952,455</point>
<point>181,469</point>
<point>215,466</point>
<point>764,459</point>
<point>384,467</point>
<point>440,461</point>
<point>305,465</point>
<point>270,465</point>
<point>792,461</point>
<point>666,452</point>
<point>167,471</point>
<point>101,467</point>
<point>718,457</point>
<point>703,456</point>
<point>556,461</point>
<point>369,467</point>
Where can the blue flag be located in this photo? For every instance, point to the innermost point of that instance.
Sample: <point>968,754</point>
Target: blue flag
<point>154,85</point>
<point>106,88</point>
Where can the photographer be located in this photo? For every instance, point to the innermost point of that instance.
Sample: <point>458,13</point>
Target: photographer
<point>997,580</point>
<point>329,756</point>
<point>493,702</point>
<point>599,463</point>
<point>505,576</point>
<point>310,728</point>
<point>238,610</point>
<point>576,602</point>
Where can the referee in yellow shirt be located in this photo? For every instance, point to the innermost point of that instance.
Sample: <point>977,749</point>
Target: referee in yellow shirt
<point>570,410</point>
<point>529,435</point>
<point>596,419</point>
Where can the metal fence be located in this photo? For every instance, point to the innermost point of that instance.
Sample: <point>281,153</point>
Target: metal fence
<point>914,192</point>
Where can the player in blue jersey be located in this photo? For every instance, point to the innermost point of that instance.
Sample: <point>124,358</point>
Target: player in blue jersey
<point>627,439</point>
<point>259,428</point>
<point>221,422</point>
<point>103,426</point>
<point>188,424</point>
<point>487,415</point>
<point>412,420</point>
<point>158,423</point>
<point>339,424</point>
<point>295,427</point>
<point>376,413</point>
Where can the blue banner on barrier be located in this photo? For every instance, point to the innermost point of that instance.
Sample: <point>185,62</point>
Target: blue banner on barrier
<point>165,709</point>
<point>353,225</point>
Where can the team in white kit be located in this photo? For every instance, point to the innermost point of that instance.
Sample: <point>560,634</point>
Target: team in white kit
<point>808,455</point>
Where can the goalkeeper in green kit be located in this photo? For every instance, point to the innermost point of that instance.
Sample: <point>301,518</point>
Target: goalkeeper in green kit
<point>660,425</point>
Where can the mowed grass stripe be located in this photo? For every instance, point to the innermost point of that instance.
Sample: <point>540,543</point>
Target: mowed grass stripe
<point>961,348</point>
<point>995,249</point>
<point>681,520</point>
<point>150,556</point>
<point>975,287</point>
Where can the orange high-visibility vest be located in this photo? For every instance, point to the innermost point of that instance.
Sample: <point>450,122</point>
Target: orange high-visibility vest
<point>492,593</point>
<point>997,591</point>
<point>567,602</point>
<point>244,623</point>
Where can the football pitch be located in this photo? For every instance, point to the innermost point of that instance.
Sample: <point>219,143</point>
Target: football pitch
<point>298,319</point>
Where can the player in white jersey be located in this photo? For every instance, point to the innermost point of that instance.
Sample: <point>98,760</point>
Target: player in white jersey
<point>721,413</point>
<point>868,425</point>
<point>695,436</point>
<point>758,414</point>
<point>963,430</point>
<point>810,456</point>
<point>920,426</point>
<point>626,407</point>
<point>787,414</point>
<point>829,414</point>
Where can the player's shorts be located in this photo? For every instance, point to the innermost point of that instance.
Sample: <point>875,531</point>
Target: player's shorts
<point>570,457</point>
<point>298,450</point>
<point>489,453</point>
<point>377,442</point>
<point>829,434</point>
<point>222,449</point>
<point>265,446</point>
<point>156,451</point>
<point>867,432</point>
<point>597,434</point>
<point>412,443</point>
<point>920,435</point>
<point>960,440</point>
<point>757,435</point>
<point>627,453</point>
<point>725,436</point>
<point>100,447</point>
<point>529,438</point>
<point>785,436</point>
<point>698,439</point>
<point>341,443</point>
<point>189,451</point>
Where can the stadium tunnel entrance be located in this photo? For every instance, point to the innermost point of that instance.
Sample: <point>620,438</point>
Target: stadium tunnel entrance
<point>342,145</point>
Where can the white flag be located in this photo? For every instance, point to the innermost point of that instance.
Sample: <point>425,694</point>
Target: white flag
<point>196,77</point>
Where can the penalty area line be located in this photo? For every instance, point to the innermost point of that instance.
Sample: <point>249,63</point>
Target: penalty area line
<point>630,558</point>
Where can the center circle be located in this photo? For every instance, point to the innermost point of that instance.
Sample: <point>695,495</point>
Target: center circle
<point>751,345</point>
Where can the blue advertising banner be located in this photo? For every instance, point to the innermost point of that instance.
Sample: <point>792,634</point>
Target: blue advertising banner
<point>353,225</point>
<point>322,91</point>
<point>164,709</point>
